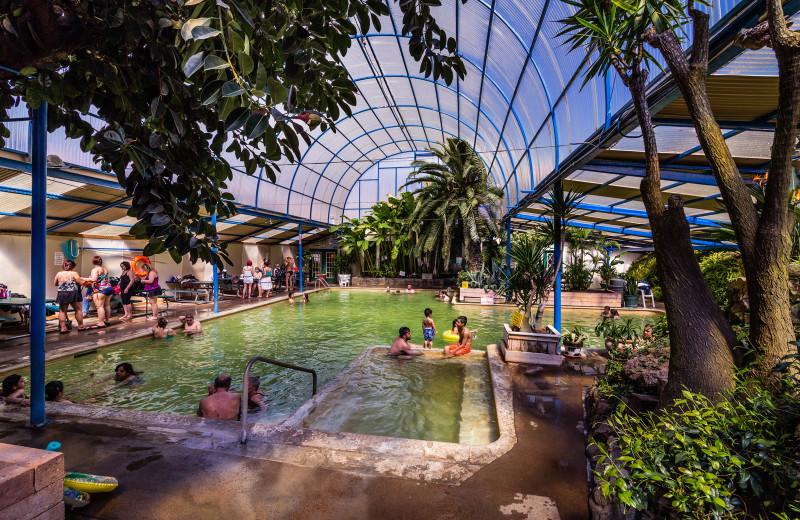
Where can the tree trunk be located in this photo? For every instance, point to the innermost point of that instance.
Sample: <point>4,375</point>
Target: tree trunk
<point>765,241</point>
<point>475,256</point>
<point>701,340</point>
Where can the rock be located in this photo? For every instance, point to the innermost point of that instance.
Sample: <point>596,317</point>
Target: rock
<point>592,451</point>
<point>645,371</point>
<point>642,403</point>
<point>603,432</point>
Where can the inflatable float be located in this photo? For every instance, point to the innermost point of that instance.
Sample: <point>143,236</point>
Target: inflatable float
<point>143,260</point>
<point>74,498</point>
<point>449,336</point>
<point>90,483</point>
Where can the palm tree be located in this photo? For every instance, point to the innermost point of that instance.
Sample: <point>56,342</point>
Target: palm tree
<point>455,202</point>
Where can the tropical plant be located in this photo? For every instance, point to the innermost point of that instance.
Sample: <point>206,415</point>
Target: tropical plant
<point>527,285</point>
<point>631,285</point>
<point>617,33</point>
<point>486,279</point>
<point>575,335</point>
<point>455,203</point>
<point>342,263</point>
<point>719,268</point>
<point>178,84</point>
<point>577,276</point>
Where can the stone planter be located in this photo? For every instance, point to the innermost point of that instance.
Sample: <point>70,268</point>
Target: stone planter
<point>479,296</point>
<point>531,347</point>
<point>592,299</point>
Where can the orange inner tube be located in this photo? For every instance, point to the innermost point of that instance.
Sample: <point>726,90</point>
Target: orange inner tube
<point>143,260</point>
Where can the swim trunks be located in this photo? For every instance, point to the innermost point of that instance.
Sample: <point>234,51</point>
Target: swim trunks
<point>428,334</point>
<point>454,350</point>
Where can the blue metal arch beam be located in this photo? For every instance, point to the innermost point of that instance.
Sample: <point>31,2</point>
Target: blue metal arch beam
<point>350,191</point>
<point>529,57</point>
<point>370,109</point>
<point>375,148</point>
<point>459,94</point>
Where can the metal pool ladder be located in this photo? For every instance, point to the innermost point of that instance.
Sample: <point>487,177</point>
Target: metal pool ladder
<point>246,383</point>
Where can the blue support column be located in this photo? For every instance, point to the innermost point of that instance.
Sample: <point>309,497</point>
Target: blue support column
<point>215,275</point>
<point>508,250</point>
<point>38,259</point>
<point>300,242</point>
<point>557,282</point>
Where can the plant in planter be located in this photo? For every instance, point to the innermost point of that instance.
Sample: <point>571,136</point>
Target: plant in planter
<point>527,285</point>
<point>631,292</point>
<point>573,341</point>
<point>617,333</point>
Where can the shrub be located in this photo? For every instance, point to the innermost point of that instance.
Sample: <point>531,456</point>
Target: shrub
<point>644,268</point>
<point>718,269</point>
<point>738,458</point>
<point>577,276</point>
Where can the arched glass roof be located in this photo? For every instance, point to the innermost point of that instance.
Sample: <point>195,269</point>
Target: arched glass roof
<point>521,106</point>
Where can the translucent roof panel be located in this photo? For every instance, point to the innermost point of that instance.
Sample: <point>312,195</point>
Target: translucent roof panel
<point>522,106</point>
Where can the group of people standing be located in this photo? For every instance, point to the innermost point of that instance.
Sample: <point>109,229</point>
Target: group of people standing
<point>262,277</point>
<point>101,289</point>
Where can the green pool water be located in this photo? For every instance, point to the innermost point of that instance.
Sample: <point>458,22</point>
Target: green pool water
<point>325,335</point>
<point>430,398</point>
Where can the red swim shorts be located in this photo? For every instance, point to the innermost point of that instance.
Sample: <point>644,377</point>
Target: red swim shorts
<point>454,350</point>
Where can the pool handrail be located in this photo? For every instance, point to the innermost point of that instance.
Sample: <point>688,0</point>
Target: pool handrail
<point>246,383</point>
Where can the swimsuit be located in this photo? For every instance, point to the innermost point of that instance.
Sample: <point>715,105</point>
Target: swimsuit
<point>456,351</point>
<point>247,276</point>
<point>266,281</point>
<point>103,285</point>
<point>124,282</point>
<point>68,292</point>
<point>152,289</point>
<point>428,334</point>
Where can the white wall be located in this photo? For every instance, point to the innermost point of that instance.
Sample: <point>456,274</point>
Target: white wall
<point>15,254</point>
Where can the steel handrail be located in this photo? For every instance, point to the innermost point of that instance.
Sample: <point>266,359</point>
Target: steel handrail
<point>246,383</point>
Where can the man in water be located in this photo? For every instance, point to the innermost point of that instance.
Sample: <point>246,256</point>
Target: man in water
<point>401,348</point>
<point>191,325</point>
<point>409,290</point>
<point>220,404</point>
<point>464,345</point>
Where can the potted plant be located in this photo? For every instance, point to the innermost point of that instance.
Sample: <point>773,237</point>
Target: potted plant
<point>631,292</point>
<point>573,341</point>
<point>607,328</point>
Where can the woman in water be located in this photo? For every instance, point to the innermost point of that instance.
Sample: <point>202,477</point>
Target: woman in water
<point>265,284</point>
<point>102,293</point>
<point>151,289</point>
<point>160,330</point>
<point>14,390</point>
<point>125,286</point>
<point>291,296</point>
<point>123,374</point>
<point>248,278</point>
<point>69,295</point>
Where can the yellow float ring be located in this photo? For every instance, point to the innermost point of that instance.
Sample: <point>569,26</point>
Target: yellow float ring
<point>90,483</point>
<point>144,260</point>
<point>449,336</point>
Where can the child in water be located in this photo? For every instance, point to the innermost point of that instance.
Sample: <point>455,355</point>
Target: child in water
<point>428,329</point>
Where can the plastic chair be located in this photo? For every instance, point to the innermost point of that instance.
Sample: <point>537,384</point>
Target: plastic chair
<point>644,292</point>
<point>344,280</point>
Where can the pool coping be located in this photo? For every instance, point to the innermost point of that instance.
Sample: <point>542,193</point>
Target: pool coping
<point>281,442</point>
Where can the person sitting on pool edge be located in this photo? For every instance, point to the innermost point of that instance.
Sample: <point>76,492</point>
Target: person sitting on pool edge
<point>160,330</point>
<point>54,391</point>
<point>220,404</point>
<point>401,348</point>
<point>191,325</point>
<point>464,345</point>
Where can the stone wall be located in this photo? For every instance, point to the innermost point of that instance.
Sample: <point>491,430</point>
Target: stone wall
<point>31,483</point>
<point>402,283</point>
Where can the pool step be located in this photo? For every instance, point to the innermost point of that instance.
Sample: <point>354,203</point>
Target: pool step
<point>474,428</point>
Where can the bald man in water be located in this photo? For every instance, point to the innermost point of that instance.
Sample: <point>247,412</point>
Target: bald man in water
<point>220,404</point>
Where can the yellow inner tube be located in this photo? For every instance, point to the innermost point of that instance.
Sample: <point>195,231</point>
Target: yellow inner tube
<point>90,483</point>
<point>449,336</point>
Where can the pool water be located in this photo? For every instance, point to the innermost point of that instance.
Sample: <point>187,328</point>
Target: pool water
<point>429,398</point>
<point>325,335</point>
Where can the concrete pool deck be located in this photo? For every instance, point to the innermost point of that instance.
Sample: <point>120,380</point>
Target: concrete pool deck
<point>167,470</point>
<point>174,466</point>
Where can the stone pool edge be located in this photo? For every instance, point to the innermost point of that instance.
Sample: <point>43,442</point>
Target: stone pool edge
<point>360,453</point>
